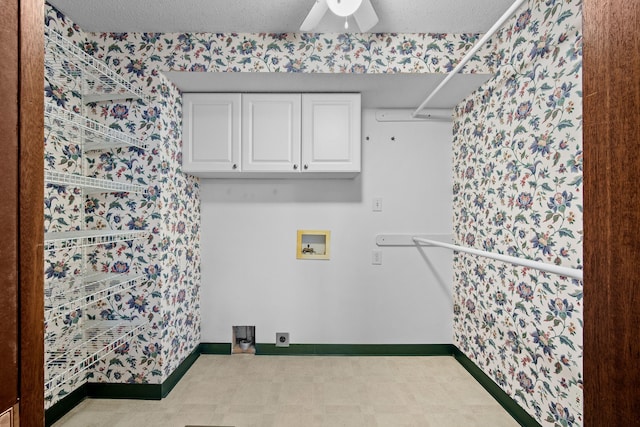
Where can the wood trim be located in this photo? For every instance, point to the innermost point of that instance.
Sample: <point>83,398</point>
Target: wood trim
<point>611,89</point>
<point>9,317</point>
<point>10,418</point>
<point>31,130</point>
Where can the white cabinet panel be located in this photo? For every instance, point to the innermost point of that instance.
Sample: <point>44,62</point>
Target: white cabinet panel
<point>211,132</point>
<point>270,132</point>
<point>267,135</point>
<point>331,132</point>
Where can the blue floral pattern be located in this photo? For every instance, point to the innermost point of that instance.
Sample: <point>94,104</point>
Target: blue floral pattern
<point>170,208</point>
<point>308,52</point>
<point>169,258</point>
<point>518,190</point>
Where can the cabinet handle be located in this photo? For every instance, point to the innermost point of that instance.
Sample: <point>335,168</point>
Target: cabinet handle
<point>295,167</point>
<point>235,166</point>
<point>306,167</point>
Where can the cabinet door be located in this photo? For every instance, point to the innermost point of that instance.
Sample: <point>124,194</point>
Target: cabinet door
<point>271,132</point>
<point>331,132</point>
<point>211,132</point>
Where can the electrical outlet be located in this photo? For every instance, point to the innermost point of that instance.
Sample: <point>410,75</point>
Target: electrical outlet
<point>376,257</point>
<point>377,204</point>
<point>282,339</point>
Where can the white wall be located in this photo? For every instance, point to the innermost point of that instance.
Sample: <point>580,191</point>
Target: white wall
<point>250,274</point>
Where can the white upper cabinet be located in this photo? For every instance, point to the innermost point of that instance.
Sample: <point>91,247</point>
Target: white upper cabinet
<point>271,135</point>
<point>331,132</point>
<point>270,132</point>
<point>211,132</point>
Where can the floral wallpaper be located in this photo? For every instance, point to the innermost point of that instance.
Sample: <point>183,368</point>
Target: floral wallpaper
<point>308,52</point>
<point>518,191</point>
<point>167,258</point>
<point>168,297</point>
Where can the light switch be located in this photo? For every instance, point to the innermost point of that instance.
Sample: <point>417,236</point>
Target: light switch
<point>377,204</point>
<point>376,257</point>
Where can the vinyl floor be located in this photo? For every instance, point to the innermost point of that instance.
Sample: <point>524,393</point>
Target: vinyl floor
<point>301,391</point>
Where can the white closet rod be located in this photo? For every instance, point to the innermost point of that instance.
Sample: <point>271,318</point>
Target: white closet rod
<point>562,271</point>
<point>469,55</point>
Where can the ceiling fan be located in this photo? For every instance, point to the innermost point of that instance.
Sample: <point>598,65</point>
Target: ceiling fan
<point>362,11</point>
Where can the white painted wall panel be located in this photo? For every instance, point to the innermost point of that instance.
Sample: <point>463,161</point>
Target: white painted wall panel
<point>250,274</point>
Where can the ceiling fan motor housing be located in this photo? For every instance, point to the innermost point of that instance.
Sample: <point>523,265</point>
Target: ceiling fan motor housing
<point>344,7</point>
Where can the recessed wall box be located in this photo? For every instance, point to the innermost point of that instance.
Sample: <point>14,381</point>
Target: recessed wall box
<point>244,339</point>
<point>313,244</point>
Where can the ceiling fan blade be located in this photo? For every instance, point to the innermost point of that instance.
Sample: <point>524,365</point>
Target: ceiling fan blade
<point>315,15</point>
<point>366,16</point>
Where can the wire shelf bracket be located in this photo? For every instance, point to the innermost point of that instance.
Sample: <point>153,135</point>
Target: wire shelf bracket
<point>103,83</point>
<point>97,341</point>
<point>86,132</point>
<point>76,239</point>
<point>95,185</point>
<point>69,295</point>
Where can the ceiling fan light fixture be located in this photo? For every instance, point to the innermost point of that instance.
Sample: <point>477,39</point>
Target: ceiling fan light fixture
<point>344,8</point>
<point>361,11</point>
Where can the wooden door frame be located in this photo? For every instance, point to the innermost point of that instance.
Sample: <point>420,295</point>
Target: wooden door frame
<point>22,136</point>
<point>9,224</point>
<point>31,214</point>
<point>611,101</point>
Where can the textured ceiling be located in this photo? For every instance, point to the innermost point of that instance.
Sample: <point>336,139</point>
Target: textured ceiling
<point>275,16</point>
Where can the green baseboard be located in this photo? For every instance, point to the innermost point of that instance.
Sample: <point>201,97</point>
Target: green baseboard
<point>510,405</point>
<point>66,404</point>
<point>119,391</point>
<point>159,391</point>
<point>124,391</point>
<point>355,350</point>
<point>215,348</point>
<point>179,372</point>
